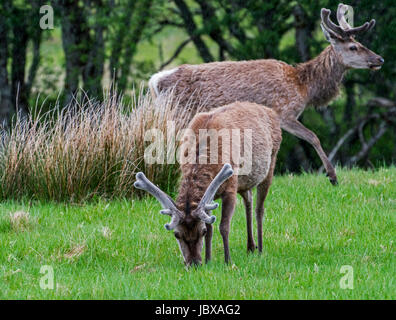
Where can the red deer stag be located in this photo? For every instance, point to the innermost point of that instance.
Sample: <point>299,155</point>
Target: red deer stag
<point>191,213</point>
<point>286,89</point>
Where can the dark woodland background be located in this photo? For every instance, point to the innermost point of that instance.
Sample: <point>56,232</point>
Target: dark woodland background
<point>96,43</point>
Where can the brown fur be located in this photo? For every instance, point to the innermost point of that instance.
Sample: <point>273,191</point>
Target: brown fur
<point>321,77</point>
<point>266,133</point>
<point>273,83</point>
<point>220,83</point>
<point>284,88</point>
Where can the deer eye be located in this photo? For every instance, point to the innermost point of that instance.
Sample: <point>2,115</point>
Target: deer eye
<point>353,48</point>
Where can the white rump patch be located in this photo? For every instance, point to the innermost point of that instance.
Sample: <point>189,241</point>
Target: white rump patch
<point>155,78</point>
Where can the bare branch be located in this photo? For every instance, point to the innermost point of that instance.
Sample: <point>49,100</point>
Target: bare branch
<point>358,128</point>
<point>381,102</point>
<point>208,14</point>
<point>176,53</point>
<point>192,30</point>
<point>367,146</point>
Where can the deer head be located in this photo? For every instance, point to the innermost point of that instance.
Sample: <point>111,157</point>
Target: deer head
<point>189,227</point>
<point>342,37</point>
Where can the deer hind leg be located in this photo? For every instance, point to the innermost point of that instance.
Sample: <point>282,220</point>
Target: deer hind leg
<point>296,128</point>
<point>228,207</point>
<point>248,202</point>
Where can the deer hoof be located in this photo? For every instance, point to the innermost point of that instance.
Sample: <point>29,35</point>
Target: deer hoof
<point>333,179</point>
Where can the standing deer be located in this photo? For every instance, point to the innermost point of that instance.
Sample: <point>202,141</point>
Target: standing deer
<point>191,213</point>
<point>286,89</point>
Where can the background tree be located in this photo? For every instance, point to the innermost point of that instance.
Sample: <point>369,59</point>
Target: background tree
<point>18,28</point>
<point>83,25</point>
<point>125,41</point>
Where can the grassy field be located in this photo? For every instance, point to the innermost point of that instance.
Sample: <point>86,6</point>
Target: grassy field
<point>120,249</point>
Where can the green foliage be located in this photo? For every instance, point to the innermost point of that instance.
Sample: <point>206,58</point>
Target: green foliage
<point>137,42</point>
<point>120,249</point>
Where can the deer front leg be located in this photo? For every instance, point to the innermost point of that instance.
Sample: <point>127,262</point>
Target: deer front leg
<point>228,207</point>
<point>208,242</point>
<point>248,202</point>
<point>262,192</point>
<point>297,129</point>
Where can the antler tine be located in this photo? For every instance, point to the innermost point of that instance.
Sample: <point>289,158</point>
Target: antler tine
<point>349,31</point>
<point>371,24</point>
<point>206,201</point>
<point>174,222</point>
<point>169,207</point>
<point>202,215</point>
<point>222,176</point>
<point>341,10</point>
<point>145,184</point>
<point>330,25</point>
<point>362,29</point>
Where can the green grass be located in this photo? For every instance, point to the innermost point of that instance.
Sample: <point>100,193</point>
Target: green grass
<point>311,230</point>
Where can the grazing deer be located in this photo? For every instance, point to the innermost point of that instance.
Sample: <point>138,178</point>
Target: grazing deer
<point>191,213</point>
<point>286,89</point>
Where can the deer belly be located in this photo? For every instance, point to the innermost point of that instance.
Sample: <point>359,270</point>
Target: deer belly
<point>258,172</point>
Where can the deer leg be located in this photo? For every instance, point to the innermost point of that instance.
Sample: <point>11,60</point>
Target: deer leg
<point>248,202</point>
<point>262,191</point>
<point>296,128</point>
<point>208,242</point>
<point>228,206</point>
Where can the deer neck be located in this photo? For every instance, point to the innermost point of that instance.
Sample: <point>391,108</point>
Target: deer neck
<point>322,77</point>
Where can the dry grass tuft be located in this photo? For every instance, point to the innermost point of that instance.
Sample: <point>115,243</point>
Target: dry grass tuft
<point>20,220</point>
<point>86,149</point>
<point>138,268</point>
<point>75,252</point>
<point>106,232</point>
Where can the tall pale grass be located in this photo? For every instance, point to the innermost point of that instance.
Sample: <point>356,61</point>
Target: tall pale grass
<point>88,149</point>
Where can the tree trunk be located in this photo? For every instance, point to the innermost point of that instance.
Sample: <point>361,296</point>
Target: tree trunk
<point>303,32</point>
<point>93,48</point>
<point>72,23</point>
<point>6,105</point>
<point>143,15</point>
<point>209,16</point>
<point>192,30</point>
<point>119,41</point>
<point>36,37</point>
<point>19,49</point>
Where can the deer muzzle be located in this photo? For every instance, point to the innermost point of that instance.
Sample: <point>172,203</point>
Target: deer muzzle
<point>376,63</point>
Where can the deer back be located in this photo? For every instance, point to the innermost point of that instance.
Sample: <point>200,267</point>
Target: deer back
<point>243,134</point>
